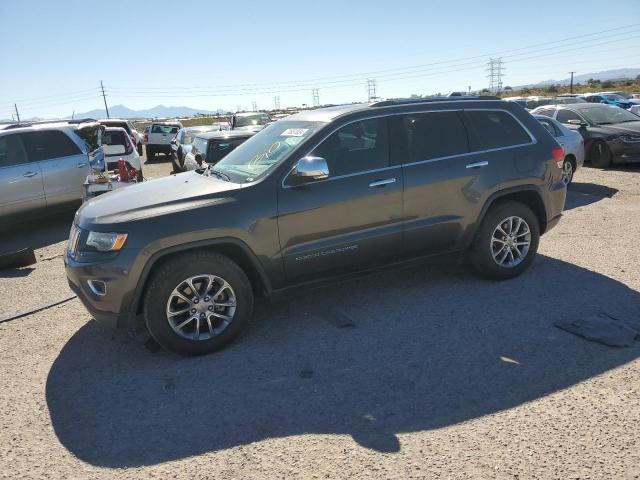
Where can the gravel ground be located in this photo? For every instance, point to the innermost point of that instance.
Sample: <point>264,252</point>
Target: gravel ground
<point>425,372</point>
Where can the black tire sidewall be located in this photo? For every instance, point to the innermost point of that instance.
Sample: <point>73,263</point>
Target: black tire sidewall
<point>481,257</point>
<point>573,170</point>
<point>603,161</point>
<point>177,270</point>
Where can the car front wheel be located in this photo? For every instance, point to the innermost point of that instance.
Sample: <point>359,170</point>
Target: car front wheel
<point>567,172</point>
<point>197,302</point>
<point>507,241</point>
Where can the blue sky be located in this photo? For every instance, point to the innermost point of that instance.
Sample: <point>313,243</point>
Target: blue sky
<point>219,54</point>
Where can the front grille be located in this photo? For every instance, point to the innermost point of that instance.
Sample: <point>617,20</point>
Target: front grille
<point>74,239</point>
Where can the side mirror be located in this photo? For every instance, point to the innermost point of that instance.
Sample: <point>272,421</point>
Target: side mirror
<point>173,142</point>
<point>111,150</point>
<point>576,122</point>
<point>309,169</point>
<point>198,158</point>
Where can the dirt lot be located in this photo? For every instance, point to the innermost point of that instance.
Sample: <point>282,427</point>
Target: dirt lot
<point>428,372</point>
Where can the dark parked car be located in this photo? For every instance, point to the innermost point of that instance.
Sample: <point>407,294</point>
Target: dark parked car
<point>211,147</point>
<point>611,134</point>
<point>318,195</point>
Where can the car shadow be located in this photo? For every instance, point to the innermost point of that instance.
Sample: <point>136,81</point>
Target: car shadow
<point>37,233</point>
<point>400,351</point>
<point>582,194</point>
<point>158,158</point>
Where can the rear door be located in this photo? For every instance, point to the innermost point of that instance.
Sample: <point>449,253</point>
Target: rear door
<point>63,165</point>
<point>446,181</point>
<point>352,219</point>
<point>21,187</point>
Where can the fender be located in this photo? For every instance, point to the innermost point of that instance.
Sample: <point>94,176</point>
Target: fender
<point>160,254</point>
<point>497,196</point>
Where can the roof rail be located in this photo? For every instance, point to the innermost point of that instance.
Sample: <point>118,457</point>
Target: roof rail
<point>409,101</point>
<point>44,122</point>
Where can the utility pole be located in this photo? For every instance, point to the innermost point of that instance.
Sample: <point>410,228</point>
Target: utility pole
<point>571,85</point>
<point>17,114</point>
<point>315,93</point>
<point>104,97</point>
<point>371,90</point>
<point>495,74</point>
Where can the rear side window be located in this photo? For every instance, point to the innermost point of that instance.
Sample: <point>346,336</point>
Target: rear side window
<point>218,149</point>
<point>547,112</point>
<point>48,144</point>
<point>434,135</point>
<point>550,127</point>
<point>356,147</point>
<point>497,129</point>
<point>565,115</point>
<point>11,152</point>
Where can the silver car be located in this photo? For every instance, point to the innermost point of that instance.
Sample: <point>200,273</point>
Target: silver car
<point>43,166</point>
<point>572,143</point>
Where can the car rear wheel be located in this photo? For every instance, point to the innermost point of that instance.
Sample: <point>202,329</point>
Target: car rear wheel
<point>139,148</point>
<point>151,155</point>
<point>196,303</point>
<point>600,155</point>
<point>507,241</point>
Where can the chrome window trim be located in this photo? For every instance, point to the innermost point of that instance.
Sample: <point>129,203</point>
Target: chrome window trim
<point>419,162</point>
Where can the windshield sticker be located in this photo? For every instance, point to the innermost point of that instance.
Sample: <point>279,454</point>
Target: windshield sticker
<point>294,132</point>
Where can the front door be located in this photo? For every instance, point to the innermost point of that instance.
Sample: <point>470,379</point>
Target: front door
<point>350,220</point>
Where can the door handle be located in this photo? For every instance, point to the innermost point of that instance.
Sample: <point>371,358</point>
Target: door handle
<point>477,164</point>
<point>382,183</point>
<point>29,174</point>
<point>83,164</point>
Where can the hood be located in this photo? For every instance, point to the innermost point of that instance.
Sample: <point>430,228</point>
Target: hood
<point>161,196</point>
<point>632,128</point>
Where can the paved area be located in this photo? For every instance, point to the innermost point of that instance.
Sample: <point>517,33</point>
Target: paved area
<point>426,372</point>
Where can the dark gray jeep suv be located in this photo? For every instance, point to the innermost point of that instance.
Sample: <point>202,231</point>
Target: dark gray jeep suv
<point>321,194</point>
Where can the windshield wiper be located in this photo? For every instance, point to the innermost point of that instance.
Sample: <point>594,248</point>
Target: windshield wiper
<point>219,174</point>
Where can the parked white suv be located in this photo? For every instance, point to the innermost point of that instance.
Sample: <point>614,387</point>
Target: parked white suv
<point>43,166</point>
<point>158,139</point>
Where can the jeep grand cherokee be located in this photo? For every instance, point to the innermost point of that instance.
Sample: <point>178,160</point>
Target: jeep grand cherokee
<point>320,194</point>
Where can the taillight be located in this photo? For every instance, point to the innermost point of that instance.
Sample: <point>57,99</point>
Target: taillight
<point>558,155</point>
<point>134,139</point>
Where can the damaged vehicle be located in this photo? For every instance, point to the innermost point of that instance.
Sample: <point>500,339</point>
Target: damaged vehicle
<point>211,147</point>
<point>43,166</point>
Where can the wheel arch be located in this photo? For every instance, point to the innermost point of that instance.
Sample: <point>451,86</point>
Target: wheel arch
<point>232,248</point>
<point>528,195</point>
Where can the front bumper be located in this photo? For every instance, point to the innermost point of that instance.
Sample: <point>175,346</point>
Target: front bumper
<point>624,152</point>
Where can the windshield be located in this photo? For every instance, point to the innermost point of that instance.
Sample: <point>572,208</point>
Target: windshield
<point>624,95</point>
<point>614,97</point>
<point>261,152</point>
<point>249,120</point>
<point>605,114</point>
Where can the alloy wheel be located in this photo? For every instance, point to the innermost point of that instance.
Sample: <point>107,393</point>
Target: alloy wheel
<point>510,242</point>
<point>201,307</point>
<point>567,172</point>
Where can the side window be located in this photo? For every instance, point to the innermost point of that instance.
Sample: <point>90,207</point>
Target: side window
<point>434,135</point>
<point>565,115</point>
<point>44,145</point>
<point>497,129</point>
<point>357,147</point>
<point>11,152</point>
<point>550,127</point>
<point>547,112</point>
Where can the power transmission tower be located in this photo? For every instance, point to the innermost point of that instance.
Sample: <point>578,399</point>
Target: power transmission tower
<point>371,90</point>
<point>571,85</point>
<point>495,70</point>
<point>316,97</point>
<point>17,114</point>
<point>254,106</point>
<point>276,102</point>
<point>104,97</point>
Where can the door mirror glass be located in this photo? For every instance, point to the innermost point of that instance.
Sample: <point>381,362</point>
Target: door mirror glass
<point>114,149</point>
<point>310,168</point>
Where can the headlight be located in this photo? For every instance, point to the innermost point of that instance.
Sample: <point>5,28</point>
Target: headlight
<point>106,242</point>
<point>630,138</point>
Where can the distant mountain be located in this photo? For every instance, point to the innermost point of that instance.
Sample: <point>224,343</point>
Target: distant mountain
<point>618,74</point>
<point>159,111</point>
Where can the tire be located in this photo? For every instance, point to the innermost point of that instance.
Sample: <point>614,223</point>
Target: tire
<point>171,276</point>
<point>568,169</point>
<point>484,246</point>
<point>600,155</point>
<point>140,148</point>
<point>174,165</point>
<point>151,155</point>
